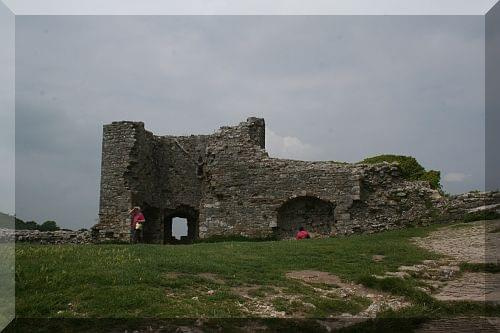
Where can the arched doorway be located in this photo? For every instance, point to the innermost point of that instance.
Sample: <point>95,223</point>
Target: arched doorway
<point>314,214</point>
<point>187,213</point>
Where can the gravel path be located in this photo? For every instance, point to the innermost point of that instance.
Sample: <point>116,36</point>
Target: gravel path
<point>473,242</point>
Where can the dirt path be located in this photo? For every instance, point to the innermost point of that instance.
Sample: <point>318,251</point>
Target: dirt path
<point>478,287</point>
<point>475,242</point>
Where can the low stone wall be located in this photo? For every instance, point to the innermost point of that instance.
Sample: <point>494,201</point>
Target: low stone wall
<point>6,235</point>
<point>456,207</point>
<point>390,202</point>
<point>46,237</point>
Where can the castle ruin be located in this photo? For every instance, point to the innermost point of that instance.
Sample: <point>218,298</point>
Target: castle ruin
<point>225,184</point>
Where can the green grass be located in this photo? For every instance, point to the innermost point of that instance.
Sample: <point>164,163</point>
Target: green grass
<point>262,291</point>
<point>221,239</point>
<point>162,281</point>
<point>478,216</point>
<point>6,283</point>
<point>480,267</point>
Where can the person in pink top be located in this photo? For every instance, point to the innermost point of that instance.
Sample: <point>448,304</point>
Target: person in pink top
<point>302,234</point>
<point>136,223</point>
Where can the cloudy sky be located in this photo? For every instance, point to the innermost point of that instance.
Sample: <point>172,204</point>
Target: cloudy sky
<point>329,87</point>
<point>7,148</point>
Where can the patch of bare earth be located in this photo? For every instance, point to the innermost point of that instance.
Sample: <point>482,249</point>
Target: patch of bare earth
<point>212,277</point>
<point>258,306</point>
<point>379,301</point>
<point>474,242</point>
<point>259,302</point>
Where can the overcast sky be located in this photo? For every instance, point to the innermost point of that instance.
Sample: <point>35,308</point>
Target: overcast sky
<point>330,88</point>
<point>7,148</point>
<point>251,7</point>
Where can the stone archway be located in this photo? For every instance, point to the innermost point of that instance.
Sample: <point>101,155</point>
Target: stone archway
<point>185,212</point>
<point>314,214</point>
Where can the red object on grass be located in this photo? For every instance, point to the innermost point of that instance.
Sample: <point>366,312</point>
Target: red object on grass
<point>302,234</point>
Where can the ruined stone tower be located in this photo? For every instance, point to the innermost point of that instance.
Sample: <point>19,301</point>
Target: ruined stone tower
<point>226,184</point>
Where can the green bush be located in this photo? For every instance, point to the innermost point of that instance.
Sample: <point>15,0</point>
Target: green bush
<point>48,226</point>
<point>480,267</point>
<point>410,168</point>
<point>479,216</point>
<point>21,225</point>
<point>433,177</point>
<point>31,225</point>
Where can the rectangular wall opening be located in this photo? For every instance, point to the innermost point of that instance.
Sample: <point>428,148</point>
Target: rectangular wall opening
<point>179,228</point>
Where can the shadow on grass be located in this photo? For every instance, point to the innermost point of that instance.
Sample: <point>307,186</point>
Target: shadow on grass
<point>292,325</point>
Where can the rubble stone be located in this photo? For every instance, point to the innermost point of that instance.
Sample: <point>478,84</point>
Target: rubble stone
<point>46,237</point>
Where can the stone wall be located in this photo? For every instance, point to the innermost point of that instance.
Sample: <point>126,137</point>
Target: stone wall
<point>455,207</point>
<point>46,237</point>
<point>7,235</point>
<point>226,184</point>
<point>389,202</point>
<point>244,187</point>
<point>119,139</point>
<point>161,174</point>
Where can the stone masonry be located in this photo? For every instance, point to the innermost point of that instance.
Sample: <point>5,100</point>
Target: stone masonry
<point>45,237</point>
<point>225,184</point>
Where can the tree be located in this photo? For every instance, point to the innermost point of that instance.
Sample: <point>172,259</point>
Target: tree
<point>31,225</point>
<point>48,226</point>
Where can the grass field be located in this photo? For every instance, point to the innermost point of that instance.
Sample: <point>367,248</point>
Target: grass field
<point>162,281</point>
<point>6,283</point>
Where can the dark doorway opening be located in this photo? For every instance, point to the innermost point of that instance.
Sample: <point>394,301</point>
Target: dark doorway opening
<point>151,232</point>
<point>180,225</point>
<point>315,215</point>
